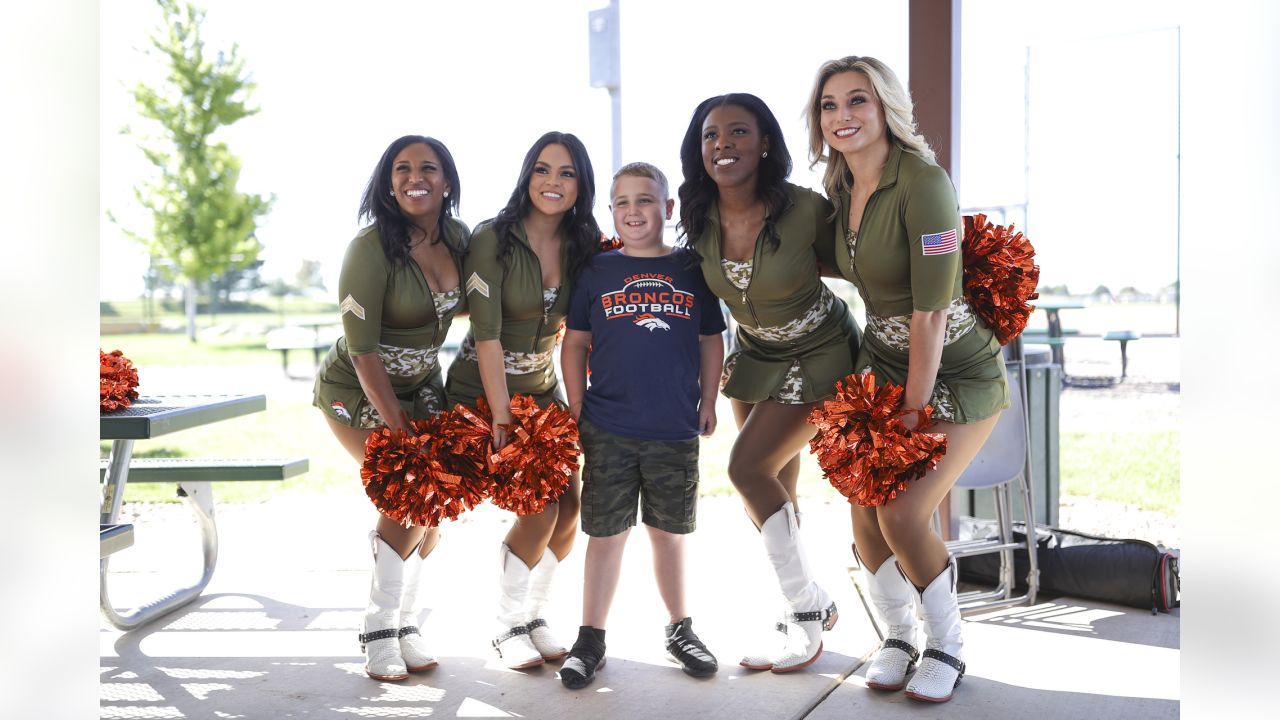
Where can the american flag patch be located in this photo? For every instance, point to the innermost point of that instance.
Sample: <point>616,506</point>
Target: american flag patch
<point>939,243</point>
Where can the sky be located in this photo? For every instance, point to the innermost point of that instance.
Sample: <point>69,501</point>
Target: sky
<point>487,78</point>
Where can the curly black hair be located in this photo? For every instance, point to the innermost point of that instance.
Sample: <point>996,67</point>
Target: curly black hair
<point>698,189</point>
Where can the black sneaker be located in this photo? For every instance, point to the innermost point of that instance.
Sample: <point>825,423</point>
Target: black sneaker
<point>684,647</point>
<point>584,659</point>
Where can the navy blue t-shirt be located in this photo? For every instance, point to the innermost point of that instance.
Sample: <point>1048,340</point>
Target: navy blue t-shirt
<point>645,316</point>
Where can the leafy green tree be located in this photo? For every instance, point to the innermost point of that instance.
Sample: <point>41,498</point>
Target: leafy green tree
<point>309,276</point>
<point>201,223</point>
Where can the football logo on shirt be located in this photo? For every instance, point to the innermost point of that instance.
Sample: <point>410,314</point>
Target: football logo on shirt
<point>646,299</point>
<point>647,320</point>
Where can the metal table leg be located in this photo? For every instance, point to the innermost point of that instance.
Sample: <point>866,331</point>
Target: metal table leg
<point>198,496</point>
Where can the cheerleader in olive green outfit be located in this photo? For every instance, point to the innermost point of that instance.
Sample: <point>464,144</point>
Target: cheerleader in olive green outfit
<point>898,239</point>
<point>758,238</point>
<point>399,291</point>
<point>518,278</point>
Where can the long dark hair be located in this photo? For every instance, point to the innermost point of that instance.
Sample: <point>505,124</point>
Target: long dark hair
<point>380,207</point>
<point>698,189</point>
<point>579,225</point>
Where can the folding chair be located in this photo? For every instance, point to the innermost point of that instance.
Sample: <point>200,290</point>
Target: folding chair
<point>1003,462</point>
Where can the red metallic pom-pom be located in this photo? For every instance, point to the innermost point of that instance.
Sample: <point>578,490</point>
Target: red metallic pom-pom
<point>413,479</point>
<point>535,467</point>
<point>1000,276</point>
<point>864,450</point>
<point>118,381</point>
<point>609,243</point>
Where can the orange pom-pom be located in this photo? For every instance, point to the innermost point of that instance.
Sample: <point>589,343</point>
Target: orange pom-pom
<point>1000,276</point>
<point>414,479</point>
<point>864,450</point>
<point>535,467</point>
<point>609,243</point>
<point>118,381</point>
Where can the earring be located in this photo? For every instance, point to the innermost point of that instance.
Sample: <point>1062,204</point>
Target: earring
<point>764,154</point>
<point>446,193</point>
<point>392,193</point>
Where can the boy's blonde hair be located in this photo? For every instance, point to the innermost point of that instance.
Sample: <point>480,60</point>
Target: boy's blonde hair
<point>644,170</point>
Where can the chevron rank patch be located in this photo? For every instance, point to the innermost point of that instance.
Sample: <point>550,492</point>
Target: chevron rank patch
<point>476,284</point>
<point>349,305</point>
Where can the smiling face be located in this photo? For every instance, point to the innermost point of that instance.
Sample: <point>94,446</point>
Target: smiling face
<point>553,185</point>
<point>732,145</point>
<point>418,181</point>
<point>851,115</point>
<point>639,208</point>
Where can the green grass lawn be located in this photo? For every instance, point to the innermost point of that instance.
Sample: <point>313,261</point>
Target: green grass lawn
<point>155,349</point>
<point>1139,468</point>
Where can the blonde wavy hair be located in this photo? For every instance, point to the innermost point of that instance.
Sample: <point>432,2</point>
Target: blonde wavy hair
<point>898,116</point>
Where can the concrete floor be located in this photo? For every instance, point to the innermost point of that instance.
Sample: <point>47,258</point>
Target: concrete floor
<point>273,636</point>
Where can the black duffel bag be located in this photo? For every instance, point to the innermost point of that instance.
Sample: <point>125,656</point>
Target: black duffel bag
<point>1135,573</point>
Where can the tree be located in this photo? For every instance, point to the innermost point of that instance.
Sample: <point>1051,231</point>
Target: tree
<point>201,223</point>
<point>309,276</point>
<point>280,289</point>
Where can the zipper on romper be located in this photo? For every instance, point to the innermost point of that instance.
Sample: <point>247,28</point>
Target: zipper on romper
<point>852,266</point>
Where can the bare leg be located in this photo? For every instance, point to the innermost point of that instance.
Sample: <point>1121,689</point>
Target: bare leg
<point>872,547</point>
<point>401,539</point>
<point>530,534</point>
<point>668,571</point>
<point>904,523</point>
<point>566,528</point>
<point>771,435</point>
<point>600,577</point>
<point>789,476</point>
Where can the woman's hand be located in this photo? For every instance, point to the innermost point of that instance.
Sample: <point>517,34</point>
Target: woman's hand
<point>912,419</point>
<point>400,420</point>
<point>502,436</point>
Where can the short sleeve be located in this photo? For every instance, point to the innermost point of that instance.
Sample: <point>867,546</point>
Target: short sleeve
<point>362,287</point>
<point>711,321</point>
<point>580,303</point>
<point>824,231</point>
<point>482,282</point>
<point>934,234</point>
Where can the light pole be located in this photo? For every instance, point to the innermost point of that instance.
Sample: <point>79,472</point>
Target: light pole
<point>606,66</point>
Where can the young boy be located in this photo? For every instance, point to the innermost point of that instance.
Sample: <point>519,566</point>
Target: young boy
<point>652,329</point>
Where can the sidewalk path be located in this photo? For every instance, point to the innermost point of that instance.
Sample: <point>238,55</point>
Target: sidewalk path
<point>274,634</point>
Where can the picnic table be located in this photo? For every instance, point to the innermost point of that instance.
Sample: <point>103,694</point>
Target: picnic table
<point>303,336</point>
<point>1056,337</point>
<point>149,417</point>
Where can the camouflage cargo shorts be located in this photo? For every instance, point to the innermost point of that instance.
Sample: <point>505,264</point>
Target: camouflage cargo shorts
<point>618,471</point>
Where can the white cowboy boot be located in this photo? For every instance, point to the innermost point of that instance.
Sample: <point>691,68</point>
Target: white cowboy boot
<point>894,601</point>
<point>761,658</point>
<point>380,637</point>
<point>941,669</point>
<point>513,643</point>
<point>539,590</point>
<point>412,647</point>
<point>811,609</point>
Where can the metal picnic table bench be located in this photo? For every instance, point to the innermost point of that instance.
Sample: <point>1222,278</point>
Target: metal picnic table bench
<point>152,416</point>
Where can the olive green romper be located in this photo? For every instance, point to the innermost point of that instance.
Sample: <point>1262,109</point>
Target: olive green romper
<point>388,309</point>
<point>887,261</point>
<point>795,338</point>
<point>510,304</point>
